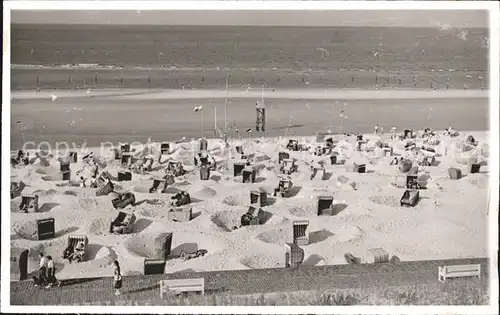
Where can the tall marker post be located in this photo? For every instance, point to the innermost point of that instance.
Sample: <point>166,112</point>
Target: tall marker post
<point>225,105</point>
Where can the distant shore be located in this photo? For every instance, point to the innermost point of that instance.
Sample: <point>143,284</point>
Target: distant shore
<point>77,77</point>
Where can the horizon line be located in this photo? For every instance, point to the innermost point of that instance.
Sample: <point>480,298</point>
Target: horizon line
<point>242,25</point>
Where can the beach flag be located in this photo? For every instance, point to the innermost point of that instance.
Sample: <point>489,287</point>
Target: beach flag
<point>198,109</point>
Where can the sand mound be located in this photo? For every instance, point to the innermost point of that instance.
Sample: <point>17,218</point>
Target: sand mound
<point>51,178</point>
<point>276,220</point>
<point>27,230</point>
<point>479,182</point>
<point>237,200</point>
<point>70,193</point>
<point>99,226</point>
<point>90,203</point>
<point>228,220</point>
<point>389,226</point>
<point>279,236</point>
<point>348,234</point>
<point>190,241</point>
<point>53,248</point>
<point>143,189</point>
<point>50,192</point>
<point>261,261</point>
<point>306,210</point>
<point>143,245</point>
<point>201,191</point>
<point>44,171</point>
<point>390,201</point>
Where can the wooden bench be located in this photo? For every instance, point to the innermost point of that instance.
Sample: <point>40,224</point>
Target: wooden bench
<point>459,271</point>
<point>179,286</point>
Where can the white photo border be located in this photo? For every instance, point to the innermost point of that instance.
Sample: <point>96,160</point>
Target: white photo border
<point>492,7</point>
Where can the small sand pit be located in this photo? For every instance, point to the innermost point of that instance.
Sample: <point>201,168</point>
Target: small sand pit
<point>237,200</point>
<point>228,220</point>
<point>347,234</point>
<point>143,189</point>
<point>192,241</point>
<point>49,178</point>
<point>43,171</point>
<point>390,201</point>
<point>307,210</point>
<point>277,236</point>
<point>201,191</point>
<point>71,183</point>
<point>262,261</point>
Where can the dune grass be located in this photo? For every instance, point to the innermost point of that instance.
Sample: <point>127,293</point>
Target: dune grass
<point>454,292</point>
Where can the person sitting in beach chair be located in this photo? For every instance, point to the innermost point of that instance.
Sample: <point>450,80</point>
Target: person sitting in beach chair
<point>78,252</point>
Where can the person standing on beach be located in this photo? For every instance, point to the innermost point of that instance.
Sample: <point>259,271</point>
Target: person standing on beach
<point>42,272</point>
<point>51,273</point>
<point>117,278</point>
<point>376,129</point>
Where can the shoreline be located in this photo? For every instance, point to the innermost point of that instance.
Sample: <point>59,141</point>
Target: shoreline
<point>282,93</point>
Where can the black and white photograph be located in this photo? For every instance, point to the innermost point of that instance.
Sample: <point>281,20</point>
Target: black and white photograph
<point>250,157</point>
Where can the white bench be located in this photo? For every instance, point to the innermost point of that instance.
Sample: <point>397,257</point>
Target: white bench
<point>178,286</point>
<point>459,271</point>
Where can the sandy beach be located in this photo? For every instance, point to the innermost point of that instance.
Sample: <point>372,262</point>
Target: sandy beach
<point>450,220</point>
<point>115,115</point>
<point>170,84</point>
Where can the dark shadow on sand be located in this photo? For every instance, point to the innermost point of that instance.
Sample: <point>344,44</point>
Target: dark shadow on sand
<point>48,206</point>
<point>338,208</point>
<point>312,260</point>
<point>270,201</point>
<point>196,215</point>
<point>319,236</point>
<point>265,216</point>
<point>327,176</point>
<point>66,231</point>
<point>91,251</point>
<point>141,224</point>
<point>260,179</point>
<point>295,190</point>
<point>187,247</point>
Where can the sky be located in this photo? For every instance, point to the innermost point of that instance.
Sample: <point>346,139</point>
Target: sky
<point>409,18</point>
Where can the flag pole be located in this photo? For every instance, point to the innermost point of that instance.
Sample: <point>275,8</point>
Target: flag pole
<point>202,123</point>
<point>22,132</point>
<point>225,105</point>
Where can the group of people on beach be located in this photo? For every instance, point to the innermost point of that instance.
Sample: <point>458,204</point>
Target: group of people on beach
<point>46,273</point>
